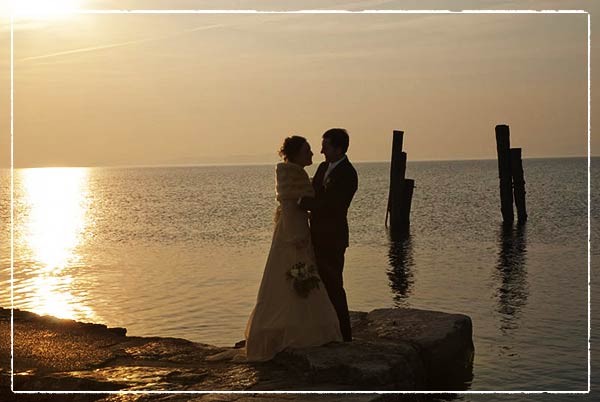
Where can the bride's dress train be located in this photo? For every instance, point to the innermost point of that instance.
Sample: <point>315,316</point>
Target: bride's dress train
<point>235,355</point>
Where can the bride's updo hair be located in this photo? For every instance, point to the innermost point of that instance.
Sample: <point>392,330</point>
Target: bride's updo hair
<point>291,146</point>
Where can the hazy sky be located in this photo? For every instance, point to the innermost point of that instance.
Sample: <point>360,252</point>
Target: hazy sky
<point>207,88</point>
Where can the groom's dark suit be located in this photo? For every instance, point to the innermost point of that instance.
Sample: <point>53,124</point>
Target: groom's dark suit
<point>329,230</point>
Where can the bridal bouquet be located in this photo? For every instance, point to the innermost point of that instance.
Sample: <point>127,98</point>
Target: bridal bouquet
<point>305,278</point>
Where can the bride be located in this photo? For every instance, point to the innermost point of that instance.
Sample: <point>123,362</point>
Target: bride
<point>292,307</point>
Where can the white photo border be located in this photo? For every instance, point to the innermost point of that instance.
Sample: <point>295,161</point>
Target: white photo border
<point>84,11</point>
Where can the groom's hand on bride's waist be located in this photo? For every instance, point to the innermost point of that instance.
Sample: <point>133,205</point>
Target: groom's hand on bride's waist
<point>306,203</point>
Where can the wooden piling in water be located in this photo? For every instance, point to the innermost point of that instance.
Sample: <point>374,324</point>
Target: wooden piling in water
<point>401,189</point>
<point>504,170</point>
<point>516,169</point>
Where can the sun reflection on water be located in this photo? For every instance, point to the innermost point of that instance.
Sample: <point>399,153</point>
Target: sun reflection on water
<point>55,221</point>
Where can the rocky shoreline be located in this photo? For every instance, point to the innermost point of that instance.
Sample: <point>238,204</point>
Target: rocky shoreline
<point>394,349</point>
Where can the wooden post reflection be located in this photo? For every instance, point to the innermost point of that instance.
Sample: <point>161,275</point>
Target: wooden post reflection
<point>400,257</point>
<point>511,272</point>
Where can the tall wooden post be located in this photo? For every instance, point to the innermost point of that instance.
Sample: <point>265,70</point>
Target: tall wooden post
<point>397,173</point>
<point>516,169</point>
<point>506,193</point>
<point>401,189</point>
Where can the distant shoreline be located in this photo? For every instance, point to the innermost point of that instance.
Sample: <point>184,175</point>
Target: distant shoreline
<point>315,163</point>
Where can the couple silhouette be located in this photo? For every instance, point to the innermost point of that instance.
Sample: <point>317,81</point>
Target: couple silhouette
<point>301,301</point>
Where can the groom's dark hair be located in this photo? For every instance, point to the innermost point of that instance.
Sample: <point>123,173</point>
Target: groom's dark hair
<point>338,137</point>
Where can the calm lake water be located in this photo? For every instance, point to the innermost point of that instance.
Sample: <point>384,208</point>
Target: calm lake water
<point>179,252</point>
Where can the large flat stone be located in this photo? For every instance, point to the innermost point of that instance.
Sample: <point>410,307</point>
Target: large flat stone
<point>444,341</point>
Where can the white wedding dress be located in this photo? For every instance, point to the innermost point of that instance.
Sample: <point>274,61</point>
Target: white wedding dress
<point>282,318</point>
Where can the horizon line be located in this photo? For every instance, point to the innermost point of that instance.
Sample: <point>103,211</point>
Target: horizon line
<point>216,164</point>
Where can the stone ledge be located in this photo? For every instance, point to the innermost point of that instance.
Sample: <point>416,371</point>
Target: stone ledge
<point>394,349</point>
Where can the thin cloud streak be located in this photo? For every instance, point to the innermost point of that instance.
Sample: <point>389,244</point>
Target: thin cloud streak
<point>121,44</point>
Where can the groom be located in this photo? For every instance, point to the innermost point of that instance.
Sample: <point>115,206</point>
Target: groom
<point>335,183</point>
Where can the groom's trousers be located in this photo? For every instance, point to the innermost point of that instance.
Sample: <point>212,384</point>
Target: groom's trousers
<point>330,262</point>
